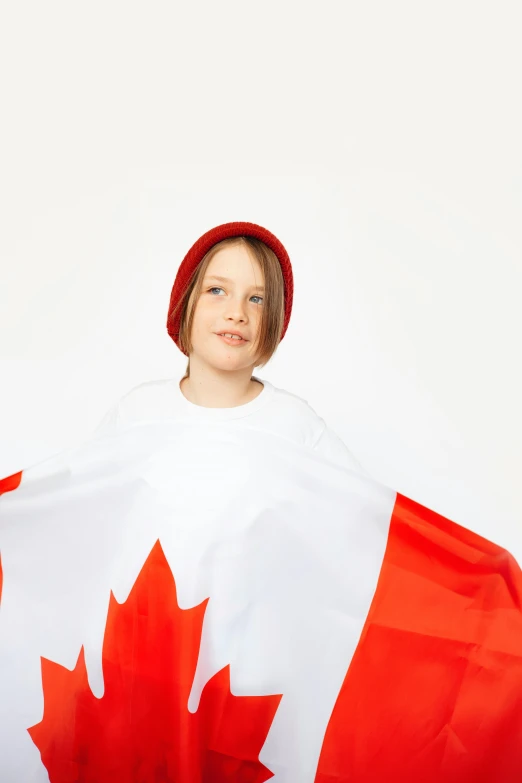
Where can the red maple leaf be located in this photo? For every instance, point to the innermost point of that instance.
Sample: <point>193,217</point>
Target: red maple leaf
<point>140,730</point>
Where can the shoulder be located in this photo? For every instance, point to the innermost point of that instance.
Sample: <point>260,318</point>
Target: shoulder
<point>296,418</point>
<point>301,422</point>
<point>146,390</point>
<point>153,398</point>
<point>134,403</point>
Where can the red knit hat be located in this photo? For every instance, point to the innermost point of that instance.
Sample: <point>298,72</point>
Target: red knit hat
<point>203,245</point>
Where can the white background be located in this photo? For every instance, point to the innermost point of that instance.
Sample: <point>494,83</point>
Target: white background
<point>379,141</point>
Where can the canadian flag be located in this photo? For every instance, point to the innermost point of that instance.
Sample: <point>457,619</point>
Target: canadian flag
<point>189,604</point>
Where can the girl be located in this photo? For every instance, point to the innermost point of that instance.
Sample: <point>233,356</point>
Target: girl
<point>207,598</point>
<point>229,309</point>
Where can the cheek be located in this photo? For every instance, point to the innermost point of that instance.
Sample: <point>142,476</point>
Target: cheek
<point>204,318</point>
<point>201,311</point>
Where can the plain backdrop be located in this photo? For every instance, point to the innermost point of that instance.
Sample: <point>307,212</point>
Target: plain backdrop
<point>379,141</point>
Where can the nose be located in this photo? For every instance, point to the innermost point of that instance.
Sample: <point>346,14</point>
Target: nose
<point>236,310</point>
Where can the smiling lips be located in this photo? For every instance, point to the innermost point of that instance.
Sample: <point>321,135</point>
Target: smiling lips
<point>232,340</point>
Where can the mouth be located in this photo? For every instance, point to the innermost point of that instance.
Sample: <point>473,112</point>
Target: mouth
<point>232,340</point>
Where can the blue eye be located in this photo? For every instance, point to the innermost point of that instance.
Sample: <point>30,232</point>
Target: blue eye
<point>217,288</point>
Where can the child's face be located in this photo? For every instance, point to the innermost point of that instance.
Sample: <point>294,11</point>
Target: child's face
<point>234,305</point>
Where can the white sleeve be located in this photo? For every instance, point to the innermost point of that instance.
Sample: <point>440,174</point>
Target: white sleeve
<point>109,423</point>
<point>137,403</point>
<point>330,446</point>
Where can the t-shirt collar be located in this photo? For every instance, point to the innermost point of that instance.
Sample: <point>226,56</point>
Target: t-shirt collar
<point>221,414</point>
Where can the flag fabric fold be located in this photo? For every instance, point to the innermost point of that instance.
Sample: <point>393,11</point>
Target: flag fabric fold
<point>187,603</point>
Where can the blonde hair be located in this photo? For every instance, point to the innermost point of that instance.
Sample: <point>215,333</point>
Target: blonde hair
<point>273,308</point>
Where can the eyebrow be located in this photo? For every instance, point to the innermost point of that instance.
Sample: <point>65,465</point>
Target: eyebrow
<point>227,280</point>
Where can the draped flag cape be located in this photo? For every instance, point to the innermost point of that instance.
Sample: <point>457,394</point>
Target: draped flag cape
<point>181,603</point>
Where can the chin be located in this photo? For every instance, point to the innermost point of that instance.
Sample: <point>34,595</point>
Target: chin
<point>220,362</point>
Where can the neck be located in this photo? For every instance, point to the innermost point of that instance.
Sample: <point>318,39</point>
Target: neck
<point>214,388</point>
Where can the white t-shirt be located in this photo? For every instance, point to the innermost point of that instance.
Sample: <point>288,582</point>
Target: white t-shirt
<point>273,410</point>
